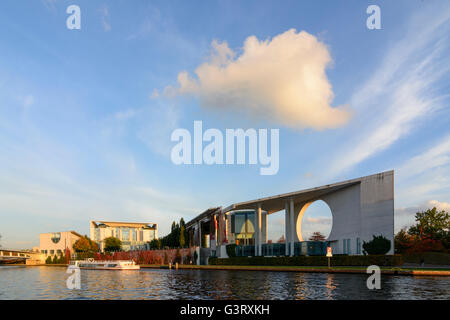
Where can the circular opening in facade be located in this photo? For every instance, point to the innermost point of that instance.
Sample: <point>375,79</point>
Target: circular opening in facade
<point>317,221</point>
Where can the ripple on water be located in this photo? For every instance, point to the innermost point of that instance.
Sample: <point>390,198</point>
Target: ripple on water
<point>18,282</point>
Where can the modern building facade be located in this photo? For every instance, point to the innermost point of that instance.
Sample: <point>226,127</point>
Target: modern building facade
<point>361,208</point>
<point>55,243</point>
<point>134,235</point>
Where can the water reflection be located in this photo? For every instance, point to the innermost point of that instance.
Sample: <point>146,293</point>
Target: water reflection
<point>18,282</point>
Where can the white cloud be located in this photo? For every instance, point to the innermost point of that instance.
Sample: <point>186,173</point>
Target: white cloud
<point>104,12</point>
<point>281,80</point>
<point>402,92</point>
<point>405,216</point>
<point>436,156</point>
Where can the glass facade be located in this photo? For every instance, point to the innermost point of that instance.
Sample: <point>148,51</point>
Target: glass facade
<point>243,228</point>
<point>125,234</point>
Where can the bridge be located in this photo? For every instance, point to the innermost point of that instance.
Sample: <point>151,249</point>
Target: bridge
<point>18,256</point>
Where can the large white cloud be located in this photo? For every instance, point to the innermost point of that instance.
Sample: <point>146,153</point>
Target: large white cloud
<point>282,80</point>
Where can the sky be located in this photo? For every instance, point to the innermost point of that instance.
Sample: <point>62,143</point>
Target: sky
<point>86,115</point>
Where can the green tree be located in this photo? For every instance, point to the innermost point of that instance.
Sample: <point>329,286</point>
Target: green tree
<point>112,244</point>
<point>55,259</point>
<point>378,245</point>
<point>431,224</point>
<point>155,244</point>
<point>182,237</point>
<point>48,260</point>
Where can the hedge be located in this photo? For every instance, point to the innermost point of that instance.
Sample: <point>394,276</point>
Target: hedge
<point>337,260</point>
<point>439,258</point>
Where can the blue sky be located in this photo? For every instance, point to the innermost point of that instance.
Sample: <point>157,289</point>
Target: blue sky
<point>85,121</point>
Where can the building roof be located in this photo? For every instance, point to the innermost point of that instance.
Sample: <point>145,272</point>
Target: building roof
<point>124,224</point>
<point>277,203</point>
<point>73,232</point>
<point>202,215</point>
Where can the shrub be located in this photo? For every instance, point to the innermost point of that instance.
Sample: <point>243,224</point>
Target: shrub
<point>231,250</point>
<point>378,245</point>
<point>48,260</point>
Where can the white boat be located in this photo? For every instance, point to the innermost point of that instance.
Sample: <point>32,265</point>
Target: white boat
<point>106,264</point>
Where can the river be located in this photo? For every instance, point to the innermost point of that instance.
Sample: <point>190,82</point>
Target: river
<point>20,282</point>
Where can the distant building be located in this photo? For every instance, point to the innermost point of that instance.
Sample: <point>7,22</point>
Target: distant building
<point>55,243</point>
<point>134,235</point>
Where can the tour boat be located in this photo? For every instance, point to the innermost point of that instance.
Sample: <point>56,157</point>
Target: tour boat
<point>106,264</point>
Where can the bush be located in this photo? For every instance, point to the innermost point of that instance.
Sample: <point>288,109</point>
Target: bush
<point>439,258</point>
<point>62,259</point>
<point>378,245</point>
<point>48,260</point>
<point>341,260</point>
<point>231,250</point>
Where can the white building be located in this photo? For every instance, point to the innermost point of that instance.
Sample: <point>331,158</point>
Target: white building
<point>134,235</point>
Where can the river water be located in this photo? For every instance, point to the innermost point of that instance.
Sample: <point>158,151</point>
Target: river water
<point>20,282</point>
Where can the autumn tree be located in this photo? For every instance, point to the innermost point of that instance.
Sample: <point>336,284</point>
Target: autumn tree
<point>403,241</point>
<point>317,236</point>
<point>86,245</point>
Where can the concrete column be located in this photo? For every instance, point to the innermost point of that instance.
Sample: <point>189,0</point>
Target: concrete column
<point>199,226</point>
<point>265,228</point>
<point>256,232</point>
<point>258,214</point>
<point>292,225</point>
<point>286,226</point>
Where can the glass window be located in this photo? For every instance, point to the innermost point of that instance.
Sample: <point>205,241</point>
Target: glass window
<point>134,235</point>
<point>125,234</point>
<point>97,234</point>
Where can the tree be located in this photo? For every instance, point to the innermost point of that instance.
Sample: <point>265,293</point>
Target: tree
<point>317,236</point>
<point>112,244</point>
<point>378,245</point>
<point>431,224</point>
<point>48,260</point>
<point>155,244</point>
<point>403,241</point>
<point>85,245</point>
<point>182,236</point>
